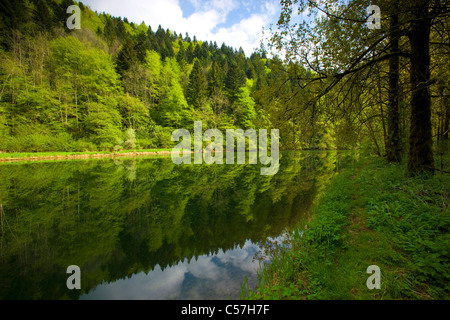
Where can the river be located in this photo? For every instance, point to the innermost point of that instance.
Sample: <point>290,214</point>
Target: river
<point>145,228</point>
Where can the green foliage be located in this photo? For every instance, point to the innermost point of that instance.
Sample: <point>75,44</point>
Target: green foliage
<point>161,136</point>
<point>91,85</point>
<point>162,79</point>
<point>370,214</point>
<point>196,91</point>
<point>127,56</point>
<point>234,80</point>
<point>244,109</point>
<point>413,212</point>
<point>134,114</point>
<point>215,80</point>
<point>129,140</point>
<point>103,125</point>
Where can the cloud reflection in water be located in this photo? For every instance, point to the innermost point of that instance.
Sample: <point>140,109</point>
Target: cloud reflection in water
<point>209,277</point>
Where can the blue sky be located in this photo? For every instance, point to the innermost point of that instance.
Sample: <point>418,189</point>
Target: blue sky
<point>238,23</point>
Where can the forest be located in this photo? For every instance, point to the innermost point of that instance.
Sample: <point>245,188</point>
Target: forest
<point>114,84</point>
<point>363,117</point>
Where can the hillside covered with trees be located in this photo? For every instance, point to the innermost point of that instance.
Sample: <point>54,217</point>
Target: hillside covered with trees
<point>114,84</point>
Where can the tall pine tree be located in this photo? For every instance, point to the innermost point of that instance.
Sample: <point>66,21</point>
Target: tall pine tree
<point>234,80</point>
<point>127,56</point>
<point>196,90</point>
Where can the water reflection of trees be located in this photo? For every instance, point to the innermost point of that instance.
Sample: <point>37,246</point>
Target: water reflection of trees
<point>117,218</point>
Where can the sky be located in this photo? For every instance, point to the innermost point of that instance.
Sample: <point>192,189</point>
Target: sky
<point>237,23</point>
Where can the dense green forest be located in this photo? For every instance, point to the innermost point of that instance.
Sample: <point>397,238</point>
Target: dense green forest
<point>114,84</point>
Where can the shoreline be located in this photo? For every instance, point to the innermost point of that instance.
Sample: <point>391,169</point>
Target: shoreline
<point>370,214</point>
<point>42,156</point>
<point>85,156</point>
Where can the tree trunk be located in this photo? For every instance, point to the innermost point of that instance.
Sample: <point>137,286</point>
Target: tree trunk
<point>393,148</point>
<point>76,98</point>
<point>420,139</point>
<point>446,114</point>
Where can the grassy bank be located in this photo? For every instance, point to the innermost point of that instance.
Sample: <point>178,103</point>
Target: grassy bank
<point>371,214</point>
<point>6,156</point>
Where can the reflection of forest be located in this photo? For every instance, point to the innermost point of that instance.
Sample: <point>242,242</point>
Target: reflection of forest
<point>114,219</point>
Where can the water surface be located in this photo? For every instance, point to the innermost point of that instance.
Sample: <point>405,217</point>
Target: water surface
<point>145,228</point>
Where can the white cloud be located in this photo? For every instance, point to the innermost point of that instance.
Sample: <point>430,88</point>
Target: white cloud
<point>204,268</point>
<point>242,259</point>
<point>203,23</point>
<point>248,32</point>
<point>222,5</point>
<point>156,285</point>
<point>212,276</point>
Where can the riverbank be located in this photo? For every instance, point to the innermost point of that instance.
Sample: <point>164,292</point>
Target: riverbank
<point>40,156</point>
<point>371,214</point>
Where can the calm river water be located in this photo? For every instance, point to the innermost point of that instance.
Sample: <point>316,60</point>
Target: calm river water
<point>144,228</point>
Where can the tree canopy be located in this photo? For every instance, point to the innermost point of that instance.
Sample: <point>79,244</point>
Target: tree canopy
<point>327,80</point>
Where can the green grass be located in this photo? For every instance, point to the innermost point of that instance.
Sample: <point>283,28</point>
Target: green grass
<point>144,150</point>
<point>7,155</point>
<point>371,214</point>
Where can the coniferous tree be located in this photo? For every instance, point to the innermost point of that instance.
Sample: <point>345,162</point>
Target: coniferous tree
<point>121,33</point>
<point>127,56</point>
<point>109,32</point>
<point>215,79</point>
<point>218,100</point>
<point>143,44</point>
<point>190,53</point>
<point>187,38</point>
<point>42,16</point>
<point>181,55</point>
<point>61,12</point>
<point>198,52</point>
<point>150,32</point>
<point>169,53</point>
<point>234,80</point>
<point>196,91</point>
<point>13,14</point>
